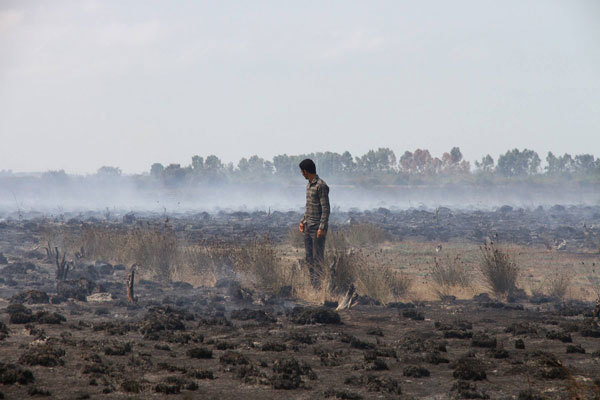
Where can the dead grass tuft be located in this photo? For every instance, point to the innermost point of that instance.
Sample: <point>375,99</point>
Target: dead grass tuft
<point>554,287</point>
<point>366,269</point>
<point>204,264</point>
<point>153,248</point>
<point>295,238</point>
<point>449,275</point>
<point>158,251</point>
<point>364,235</point>
<point>500,272</point>
<point>357,235</point>
<point>259,261</point>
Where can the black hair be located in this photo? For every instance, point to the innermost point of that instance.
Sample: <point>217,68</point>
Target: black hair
<point>309,166</point>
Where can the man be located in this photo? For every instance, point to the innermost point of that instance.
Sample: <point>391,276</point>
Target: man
<point>315,221</point>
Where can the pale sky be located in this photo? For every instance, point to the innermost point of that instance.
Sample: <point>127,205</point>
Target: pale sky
<point>127,83</point>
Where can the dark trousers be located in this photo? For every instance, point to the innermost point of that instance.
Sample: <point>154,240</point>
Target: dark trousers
<point>315,253</point>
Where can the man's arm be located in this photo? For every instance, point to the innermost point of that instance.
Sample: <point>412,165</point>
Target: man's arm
<point>324,200</point>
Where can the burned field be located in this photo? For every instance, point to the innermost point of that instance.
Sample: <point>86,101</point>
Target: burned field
<point>69,330</point>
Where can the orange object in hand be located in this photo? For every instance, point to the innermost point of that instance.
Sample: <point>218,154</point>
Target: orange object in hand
<point>301,227</point>
<point>320,233</point>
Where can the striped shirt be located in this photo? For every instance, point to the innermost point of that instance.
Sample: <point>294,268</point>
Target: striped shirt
<point>317,204</point>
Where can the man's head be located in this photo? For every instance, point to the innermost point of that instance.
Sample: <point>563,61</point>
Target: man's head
<point>308,168</point>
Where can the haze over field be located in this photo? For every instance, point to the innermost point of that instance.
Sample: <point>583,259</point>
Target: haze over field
<point>85,84</point>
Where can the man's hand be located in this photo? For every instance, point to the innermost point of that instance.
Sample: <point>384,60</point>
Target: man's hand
<point>301,227</point>
<point>320,233</point>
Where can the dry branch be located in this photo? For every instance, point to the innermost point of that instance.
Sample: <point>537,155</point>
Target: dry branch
<point>349,299</point>
<point>130,280</point>
<point>62,266</point>
<point>50,252</point>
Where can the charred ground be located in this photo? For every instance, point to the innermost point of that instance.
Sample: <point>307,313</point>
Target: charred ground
<point>231,340</point>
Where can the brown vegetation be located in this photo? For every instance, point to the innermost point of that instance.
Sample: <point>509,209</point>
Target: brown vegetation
<point>159,252</point>
<point>449,274</point>
<point>555,286</point>
<point>499,271</point>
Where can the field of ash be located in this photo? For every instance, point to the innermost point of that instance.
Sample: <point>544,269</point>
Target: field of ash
<point>86,340</point>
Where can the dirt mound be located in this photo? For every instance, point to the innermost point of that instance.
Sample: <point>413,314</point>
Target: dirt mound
<point>469,369</point>
<point>45,355</point>
<point>288,373</point>
<point>522,328</point>
<point>10,374</point>
<point>467,390</point>
<point>416,372</point>
<point>481,339</point>
<point>118,349</point>
<point>161,319</point>
<point>200,352</point>
<point>375,383</point>
<point>246,314</point>
<point>19,268</point>
<point>77,289</point>
<point>19,314</point>
<point>546,365</point>
<point>31,297</point>
<point>233,358</point>
<point>3,331</point>
<point>309,315</point>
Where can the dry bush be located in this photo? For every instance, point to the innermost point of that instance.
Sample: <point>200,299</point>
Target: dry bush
<point>381,283</point>
<point>365,269</point>
<point>155,248</point>
<point>206,263</point>
<point>104,243</point>
<point>449,274</point>
<point>555,287</point>
<point>258,260</point>
<point>500,272</point>
<point>364,234</point>
<point>346,263</point>
<point>358,235</point>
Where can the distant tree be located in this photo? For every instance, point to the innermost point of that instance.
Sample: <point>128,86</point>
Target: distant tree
<point>422,163</point>
<point>552,163</point>
<point>347,162</point>
<point>453,162</point>
<point>585,164</point>
<point>243,165</point>
<point>561,165</point>
<point>156,170</point>
<point>59,176</point>
<point>213,163</point>
<point>382,160</point>
<point>486,164</point>
<point>255,167</point>
<point>455,155</point>
<point>197,163</point>
<point>283,164</point>
<point>214,169</point>
<point>405,163</point>
<point>174,174</point>
<point>108,172</point>
<point>464,167</point>
<point>260,166</point>
<point>518,163</point>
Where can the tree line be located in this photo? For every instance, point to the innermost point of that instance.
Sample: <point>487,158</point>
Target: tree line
<point>382,166</point>
<point>379,166</point>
